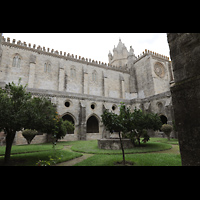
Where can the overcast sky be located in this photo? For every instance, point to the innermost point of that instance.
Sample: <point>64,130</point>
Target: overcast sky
<point>95,45</point>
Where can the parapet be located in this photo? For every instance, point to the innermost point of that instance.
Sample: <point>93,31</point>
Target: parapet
<point>148,52</point>
<point>47,51</point>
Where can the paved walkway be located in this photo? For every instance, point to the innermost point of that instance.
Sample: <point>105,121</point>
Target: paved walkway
<point>75,160</point>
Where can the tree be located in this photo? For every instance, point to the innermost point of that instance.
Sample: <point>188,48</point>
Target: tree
<point>167,129</point>
<point>117,123</point>
<point>61,127</point>
<point>29,134</point>
<point>19,110</point>
<point>140,122</point>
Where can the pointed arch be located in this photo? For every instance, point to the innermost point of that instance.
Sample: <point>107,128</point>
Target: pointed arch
<point>92,124</point>
<point>16,60</point>
<point>69,117</point>
<point>70,114</point>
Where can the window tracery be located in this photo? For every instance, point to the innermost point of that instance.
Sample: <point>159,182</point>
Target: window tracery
<point>47,67</point>
<point>16,61</point>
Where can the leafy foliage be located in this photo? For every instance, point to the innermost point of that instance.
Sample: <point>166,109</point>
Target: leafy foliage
<point>132,124</point>
<point>18,110</point>
<point>167,129</point>
<point>29,135</point>
<point>61,127</point>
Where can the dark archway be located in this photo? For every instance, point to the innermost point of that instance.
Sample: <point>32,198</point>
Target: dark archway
<point>163,119</point>
<point>92,125</point>
<point>70,119</point>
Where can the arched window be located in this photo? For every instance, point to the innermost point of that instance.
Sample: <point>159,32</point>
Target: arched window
<point>94,76</point>
<point>47,67</point>
<point>16,61</point>
<point>73,72</point>
<point>92,125</point>
<point>70,119</point>
<point>163,118</point>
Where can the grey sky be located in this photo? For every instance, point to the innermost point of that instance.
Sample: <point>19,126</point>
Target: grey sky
<point>95,45</point>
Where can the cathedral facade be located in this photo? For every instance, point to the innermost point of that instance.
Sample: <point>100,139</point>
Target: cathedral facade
<point>82,88</point>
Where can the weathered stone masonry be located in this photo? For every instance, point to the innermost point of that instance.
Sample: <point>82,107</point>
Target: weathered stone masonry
<point>82,88</point>
<point>184,52</point>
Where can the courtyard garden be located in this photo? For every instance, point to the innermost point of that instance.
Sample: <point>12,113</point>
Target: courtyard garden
<point>157,152</point>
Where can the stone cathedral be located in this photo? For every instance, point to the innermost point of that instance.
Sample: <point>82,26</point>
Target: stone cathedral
<point>82,88</point>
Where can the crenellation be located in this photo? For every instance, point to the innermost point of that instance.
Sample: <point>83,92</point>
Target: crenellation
<point>82,59</point>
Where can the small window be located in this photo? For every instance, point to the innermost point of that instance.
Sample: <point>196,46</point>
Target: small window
<point>45,67</point>
<point>67,104</point>
<point>113,107</point>
<point>73,72</point>
<point>94,76</point>
<point>93,106</point>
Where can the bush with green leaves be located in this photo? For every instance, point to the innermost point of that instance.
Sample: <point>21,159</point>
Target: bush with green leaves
<point>29,134</point>
<point>167,129</point>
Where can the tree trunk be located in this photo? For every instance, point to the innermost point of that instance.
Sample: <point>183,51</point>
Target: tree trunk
<point>9,140</point>
<point>122,148</point>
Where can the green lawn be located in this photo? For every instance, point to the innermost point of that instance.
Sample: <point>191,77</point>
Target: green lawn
<point>29,155</point>
<point>91,146</point>
<point>30,148</point>
<point>147,159</point>
<point>140,156</point>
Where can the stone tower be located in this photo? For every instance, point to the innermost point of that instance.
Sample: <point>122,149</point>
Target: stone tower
<point>121,55</point>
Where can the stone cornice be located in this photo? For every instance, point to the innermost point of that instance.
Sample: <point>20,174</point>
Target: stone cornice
<point>70,95</point>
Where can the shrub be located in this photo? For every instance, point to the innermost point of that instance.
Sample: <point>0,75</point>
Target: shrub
<point>167,129</point>
<point>29,135</point>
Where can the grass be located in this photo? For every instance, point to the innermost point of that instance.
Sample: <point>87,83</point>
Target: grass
<point>147,159</point>
<point>164,140</point>
<point>91,146</point>
<point>29,155</point>
<point>140,156</point>
<point>30,148</point>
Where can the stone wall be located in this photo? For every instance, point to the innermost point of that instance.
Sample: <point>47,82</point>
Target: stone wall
<point>184,52</point>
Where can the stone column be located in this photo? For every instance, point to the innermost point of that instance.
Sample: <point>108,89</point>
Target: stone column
<point>185,56</point>
<point>31,78</point>
<point>82,121</point>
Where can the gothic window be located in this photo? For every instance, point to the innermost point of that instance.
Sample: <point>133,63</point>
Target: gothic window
<point>94,76</point>
<point>47,67</point>
<point>73,72</point>
<point>16,61</point>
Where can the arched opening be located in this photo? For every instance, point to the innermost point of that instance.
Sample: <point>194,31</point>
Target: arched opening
<point>163,119</point>
<point>70,119</point>
<point>92,125</point>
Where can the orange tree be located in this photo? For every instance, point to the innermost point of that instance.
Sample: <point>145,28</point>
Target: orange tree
<point>19,110</point>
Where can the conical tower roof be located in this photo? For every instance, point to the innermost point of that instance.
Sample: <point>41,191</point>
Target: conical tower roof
<point>120,46</point>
